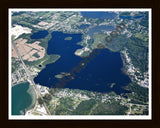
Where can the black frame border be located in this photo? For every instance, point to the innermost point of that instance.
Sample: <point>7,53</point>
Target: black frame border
<point>153,4</point>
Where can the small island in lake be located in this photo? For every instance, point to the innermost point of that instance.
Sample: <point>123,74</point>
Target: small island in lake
<point>68,38</point>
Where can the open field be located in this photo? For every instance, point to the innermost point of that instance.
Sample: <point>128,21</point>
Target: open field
<point>29,52</point>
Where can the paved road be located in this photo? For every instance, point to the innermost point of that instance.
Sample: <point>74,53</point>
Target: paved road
<point>30,78</point>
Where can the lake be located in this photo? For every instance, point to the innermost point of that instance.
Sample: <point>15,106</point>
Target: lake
<point>22,98</point>
<point>131,17</point>
<point>39,35</point>
<point>99,14</point>
<point>101,72</point>
<point>83,26</point>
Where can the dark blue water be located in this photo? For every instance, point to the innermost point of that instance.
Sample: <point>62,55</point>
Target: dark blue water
<point>99,15</point>
<point>131,17</point>
<point>101,71</point>
<point>39,34</point>
<point>83,26</point>
<point>137,17</point>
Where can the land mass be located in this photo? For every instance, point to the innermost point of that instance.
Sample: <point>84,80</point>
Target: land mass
<point>132,44</point>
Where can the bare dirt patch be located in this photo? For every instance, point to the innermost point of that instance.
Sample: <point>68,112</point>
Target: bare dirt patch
<point>28,50</point>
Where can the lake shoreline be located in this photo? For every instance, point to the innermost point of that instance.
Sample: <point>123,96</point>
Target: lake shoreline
<point>124,65</point>
<point>22,92</point>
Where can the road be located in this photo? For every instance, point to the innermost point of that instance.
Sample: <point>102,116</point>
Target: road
<point>30,78</point>
<point>130,107</point>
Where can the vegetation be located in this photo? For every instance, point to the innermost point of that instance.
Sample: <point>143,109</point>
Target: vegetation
<point>97,39</point>
<point>47,98</point>
<point>40,101</point>
<point>65,107</point>
<point>85,107</point>
<point>110,109</point>
<point>96,105</point>
<point>36,55</point>
<point>139,60</point>
<point>47,59</point>
<point>117,43</point>
<point>68,38</point>
<point>112,85</point>
<point>139,95</point>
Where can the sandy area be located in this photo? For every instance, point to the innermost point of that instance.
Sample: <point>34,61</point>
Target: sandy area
<point>19,30</point>
<point>42,23</point>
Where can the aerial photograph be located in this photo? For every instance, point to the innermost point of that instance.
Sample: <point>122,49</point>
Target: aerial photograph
<point>79,63</point>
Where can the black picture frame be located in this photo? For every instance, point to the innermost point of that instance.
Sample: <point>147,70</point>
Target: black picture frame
<point>153,4</point>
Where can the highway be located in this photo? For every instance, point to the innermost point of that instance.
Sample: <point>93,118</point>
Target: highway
<point>31,79</point>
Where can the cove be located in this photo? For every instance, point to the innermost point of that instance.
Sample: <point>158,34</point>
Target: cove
<point>101,72</point>
<point>39,34</point>
<point>23,98</point>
